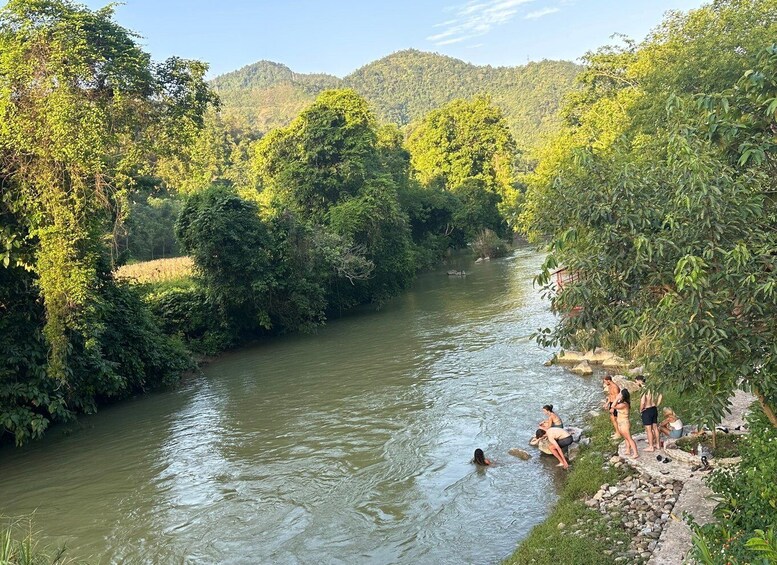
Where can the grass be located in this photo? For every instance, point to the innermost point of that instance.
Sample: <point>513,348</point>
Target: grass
<point>550,544</point>
<point>19,547</point>
<point>159,271</point>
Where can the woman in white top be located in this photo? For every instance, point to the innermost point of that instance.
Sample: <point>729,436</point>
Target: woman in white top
<point>671,425</point>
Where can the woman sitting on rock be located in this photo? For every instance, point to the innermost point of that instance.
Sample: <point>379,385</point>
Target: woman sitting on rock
<point>552,421</point>
<point>621,408</point>
<point>671,425</point>
<point>558,439</point>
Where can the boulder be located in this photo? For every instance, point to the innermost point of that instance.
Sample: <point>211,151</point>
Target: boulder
<point>598,355</point>
<point>583,368</point>
<point>623,382</point>
<point>519,453</point>
<point>576,433</point>
<point>615,362</point>
<point>636,371</point>
<point>569,357</point>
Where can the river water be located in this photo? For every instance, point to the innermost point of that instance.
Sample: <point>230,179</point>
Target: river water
<point>348,446</point>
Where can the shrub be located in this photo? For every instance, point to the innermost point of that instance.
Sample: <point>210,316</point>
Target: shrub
<point>749,500</point>
<point>488,244</point>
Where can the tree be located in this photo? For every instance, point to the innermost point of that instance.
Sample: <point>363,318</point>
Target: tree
<point>81,104</point>
<point>466,148</point>
<point>669,222</point>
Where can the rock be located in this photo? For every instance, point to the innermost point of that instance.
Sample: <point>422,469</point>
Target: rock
<point>585,441</point>
<point>583,368</point>
<point>615,362</point>
<point>519,453</point>
<point>598,356</point>
<point>569,357</point>
<point>561,525</point>
<point>623,382</point>
<point>573,451</point>
<point>636,371</point>
<point>487,258</point>
<point>457,274</point>
<point>576,433</point>
<point>549,362</point>
<point>615,459</point>
<point>479,260</point>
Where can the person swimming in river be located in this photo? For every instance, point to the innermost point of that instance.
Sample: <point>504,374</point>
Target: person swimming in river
<point>558,440</point>
<point>552,419</point>
<point>480,458</point>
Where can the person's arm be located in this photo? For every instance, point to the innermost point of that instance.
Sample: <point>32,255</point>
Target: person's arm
<point>660,398</point>
<point>642,402</point>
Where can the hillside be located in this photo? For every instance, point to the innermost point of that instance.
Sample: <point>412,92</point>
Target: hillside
<point>402,87</point>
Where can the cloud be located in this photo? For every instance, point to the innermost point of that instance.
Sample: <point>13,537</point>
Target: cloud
<point>539,13</point>
<point>475,19</point>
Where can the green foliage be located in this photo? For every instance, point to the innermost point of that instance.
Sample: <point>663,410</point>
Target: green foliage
<point>230,247</point>
<point>402,88</point>
<point>18,545</point>
<point>748,504</point>
<point>669,220</point>
<point>466,148</point>
<point>81,105</point>
<point>488,244</point>
<point>149,230</point>
<point>185,312</point>
<point>465,139</point>
<point>335,171</point>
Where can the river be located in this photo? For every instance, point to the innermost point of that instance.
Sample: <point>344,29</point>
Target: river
<point>348,446</point>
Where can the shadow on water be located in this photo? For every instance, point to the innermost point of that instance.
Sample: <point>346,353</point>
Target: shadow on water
<point>352,445</point>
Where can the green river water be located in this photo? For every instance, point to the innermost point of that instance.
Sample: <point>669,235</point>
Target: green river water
<point>348,446</point>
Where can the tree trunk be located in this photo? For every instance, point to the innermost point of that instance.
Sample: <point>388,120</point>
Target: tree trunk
<point>768,410</point>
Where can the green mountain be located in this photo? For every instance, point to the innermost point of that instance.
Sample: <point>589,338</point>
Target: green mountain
<point>401,88</point>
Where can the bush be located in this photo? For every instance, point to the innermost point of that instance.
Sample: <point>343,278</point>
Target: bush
<point>488,244</point>
<point>749,499</point>
<point>185,311</point>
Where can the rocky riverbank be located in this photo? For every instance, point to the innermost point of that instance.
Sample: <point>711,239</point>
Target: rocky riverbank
<point>641,505</point>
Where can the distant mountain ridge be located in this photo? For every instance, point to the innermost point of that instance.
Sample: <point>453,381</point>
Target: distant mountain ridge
<point>403,87</point>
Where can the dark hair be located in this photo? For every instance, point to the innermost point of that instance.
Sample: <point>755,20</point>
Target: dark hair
<point>626,396</point>
<point>480,457</point>
<point>539,433</point>
<point>607,377</point>
<point>548,407</point>
<point>640,378</point>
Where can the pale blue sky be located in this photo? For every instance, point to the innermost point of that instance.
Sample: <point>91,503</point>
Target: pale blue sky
<point>338,36</point>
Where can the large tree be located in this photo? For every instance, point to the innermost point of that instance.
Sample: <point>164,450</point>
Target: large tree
<point>669,221</point>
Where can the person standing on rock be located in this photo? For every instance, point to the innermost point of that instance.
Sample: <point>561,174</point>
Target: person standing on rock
<point>612,393</point>
<point>621,407</point>
<point>648,408</point>
<point>558,439</point>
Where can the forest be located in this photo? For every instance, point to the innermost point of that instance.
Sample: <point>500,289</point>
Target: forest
<point>403,87</point>
<point>110,158</point>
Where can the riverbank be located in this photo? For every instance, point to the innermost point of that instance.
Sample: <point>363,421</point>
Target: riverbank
<point>629,510</point>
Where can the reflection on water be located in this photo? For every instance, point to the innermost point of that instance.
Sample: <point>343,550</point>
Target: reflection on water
<point>349,446</point>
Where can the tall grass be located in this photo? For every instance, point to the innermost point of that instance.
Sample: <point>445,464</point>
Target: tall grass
<point>157,271</point>
<point>18,545</point>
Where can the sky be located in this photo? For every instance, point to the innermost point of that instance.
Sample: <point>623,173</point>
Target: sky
<point>339,36</point>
